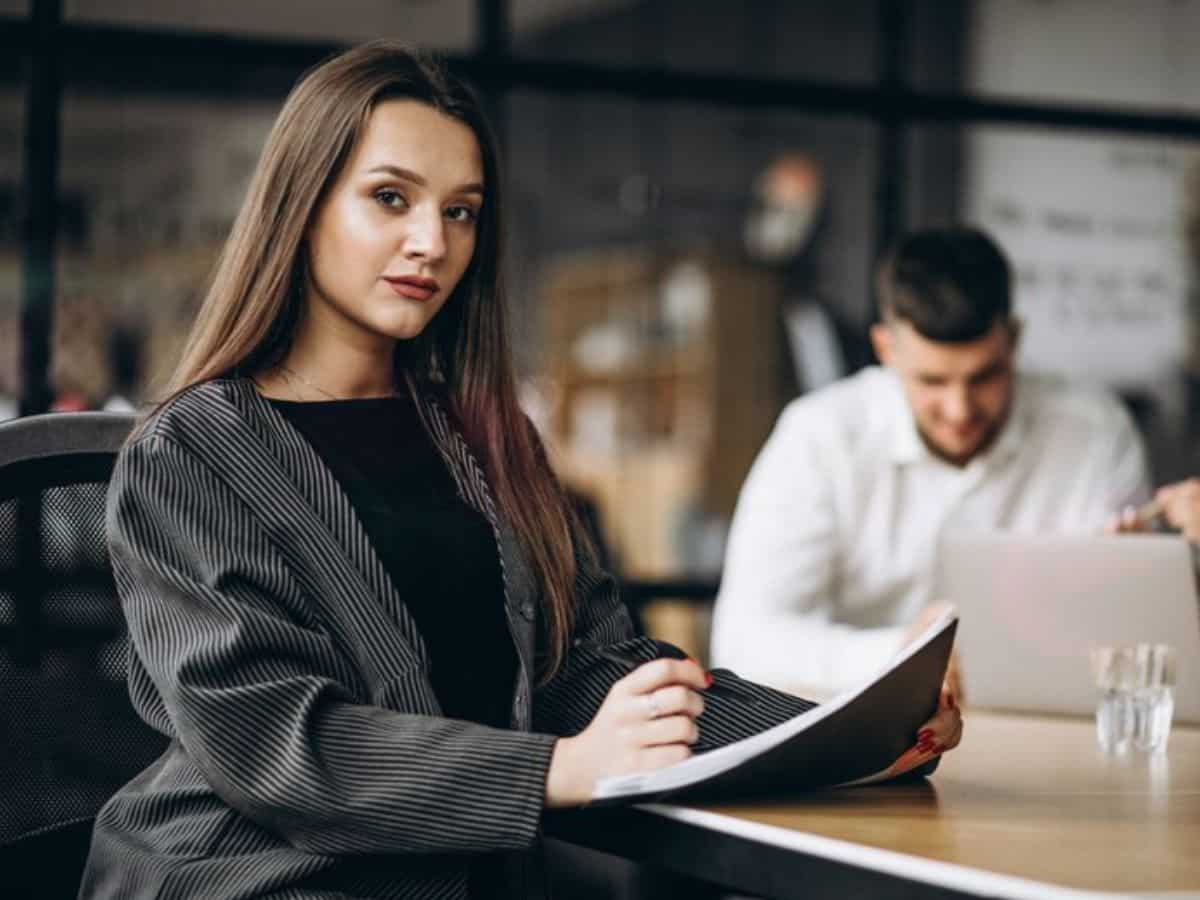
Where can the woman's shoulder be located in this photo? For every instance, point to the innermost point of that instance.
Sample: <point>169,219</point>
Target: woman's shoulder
<point>207,427</point>
<point>197,412</point>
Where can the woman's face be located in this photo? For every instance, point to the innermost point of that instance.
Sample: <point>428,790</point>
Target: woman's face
<point>396,233</point>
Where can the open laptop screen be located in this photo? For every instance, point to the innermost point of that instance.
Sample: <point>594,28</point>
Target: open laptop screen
<point>1032,606</point>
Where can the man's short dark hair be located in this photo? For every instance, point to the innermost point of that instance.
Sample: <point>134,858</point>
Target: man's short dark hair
<point>951,284</point>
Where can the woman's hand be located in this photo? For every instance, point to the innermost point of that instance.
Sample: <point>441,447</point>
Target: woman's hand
<point>939,734</point>
<point>943,731</point>
<point>952,688</point>
<point>647,721</point>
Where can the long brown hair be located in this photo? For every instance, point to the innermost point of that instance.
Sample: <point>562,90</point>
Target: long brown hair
<point>250,313</point>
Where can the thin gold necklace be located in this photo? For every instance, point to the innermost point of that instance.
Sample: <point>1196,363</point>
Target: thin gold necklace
<point>290,373</point>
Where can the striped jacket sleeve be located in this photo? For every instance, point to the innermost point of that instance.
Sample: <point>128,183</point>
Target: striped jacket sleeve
<point>267,703</point>
<point>567,704</point>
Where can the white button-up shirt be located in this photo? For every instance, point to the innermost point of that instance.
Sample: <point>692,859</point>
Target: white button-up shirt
<point>831,551</point>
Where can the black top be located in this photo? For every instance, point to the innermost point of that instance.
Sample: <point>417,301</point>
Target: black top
<point>440,553</point>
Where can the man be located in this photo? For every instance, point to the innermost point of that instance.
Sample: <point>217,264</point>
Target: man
<point>832,545</point>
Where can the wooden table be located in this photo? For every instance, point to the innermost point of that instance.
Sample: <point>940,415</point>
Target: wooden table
<point>1026,807</point>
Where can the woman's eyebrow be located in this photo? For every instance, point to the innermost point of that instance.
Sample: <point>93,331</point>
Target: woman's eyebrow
<point>472,187</point>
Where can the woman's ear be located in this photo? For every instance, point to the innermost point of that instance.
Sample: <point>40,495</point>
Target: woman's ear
<point>881,341</point>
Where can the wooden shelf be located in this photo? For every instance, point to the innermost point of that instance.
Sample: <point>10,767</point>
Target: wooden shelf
<point>670,433</point>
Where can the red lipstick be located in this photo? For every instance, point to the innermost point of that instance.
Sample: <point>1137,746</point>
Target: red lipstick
<point>413,287</point>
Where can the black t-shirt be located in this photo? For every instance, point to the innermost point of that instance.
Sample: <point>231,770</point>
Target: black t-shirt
<point>440,553</point>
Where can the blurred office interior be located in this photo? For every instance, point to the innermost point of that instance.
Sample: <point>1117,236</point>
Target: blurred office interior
<point>697,192</point>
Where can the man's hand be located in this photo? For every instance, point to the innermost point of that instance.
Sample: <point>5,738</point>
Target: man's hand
<point>1181,506</point>
<point>1178,503</point>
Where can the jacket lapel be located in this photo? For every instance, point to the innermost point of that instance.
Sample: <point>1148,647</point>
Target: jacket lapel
<point>316,515</point>
<point>327,517</point>
<point>520,590</point>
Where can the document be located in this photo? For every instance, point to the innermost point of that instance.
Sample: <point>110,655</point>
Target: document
<point>860,736</point>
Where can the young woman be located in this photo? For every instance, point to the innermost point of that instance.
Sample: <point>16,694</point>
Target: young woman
<point>359,606</point>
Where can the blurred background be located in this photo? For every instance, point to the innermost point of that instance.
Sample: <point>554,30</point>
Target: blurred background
<point>697,193</point>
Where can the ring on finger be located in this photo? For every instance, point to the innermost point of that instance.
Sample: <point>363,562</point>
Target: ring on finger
<point>651,702</point>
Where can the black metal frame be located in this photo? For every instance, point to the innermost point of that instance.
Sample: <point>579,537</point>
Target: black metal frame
<point>40,190</point>
<point>28,581</point>
<point>43,845</point>
<point>39,453</point>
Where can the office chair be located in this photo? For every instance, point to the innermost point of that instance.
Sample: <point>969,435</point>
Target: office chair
<point>68,734</point>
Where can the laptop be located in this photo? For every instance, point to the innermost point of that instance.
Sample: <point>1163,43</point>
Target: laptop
<point>1032,606</point>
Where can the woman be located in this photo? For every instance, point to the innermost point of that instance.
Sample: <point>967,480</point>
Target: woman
<point>358,605</point>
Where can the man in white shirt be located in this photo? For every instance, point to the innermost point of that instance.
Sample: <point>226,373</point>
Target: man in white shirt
<point>832,545</point>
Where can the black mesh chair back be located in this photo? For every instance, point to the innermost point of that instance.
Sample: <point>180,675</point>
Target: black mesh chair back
<point>68,734</point>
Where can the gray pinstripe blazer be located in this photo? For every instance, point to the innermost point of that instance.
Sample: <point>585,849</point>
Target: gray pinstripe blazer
<point>308,757</point>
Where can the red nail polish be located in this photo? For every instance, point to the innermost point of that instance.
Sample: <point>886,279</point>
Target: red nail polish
<point>924,734</point>
<point>950,701</point>
<point>708,679</point>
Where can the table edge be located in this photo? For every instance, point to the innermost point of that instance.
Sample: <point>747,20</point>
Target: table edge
<point>951,876</point>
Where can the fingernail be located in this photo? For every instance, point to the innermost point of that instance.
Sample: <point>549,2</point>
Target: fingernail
<point>924,734</point>
<point>708,679</point>
<point>950,701</point>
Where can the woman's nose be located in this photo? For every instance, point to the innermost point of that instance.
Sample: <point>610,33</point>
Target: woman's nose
<point>425,237</point>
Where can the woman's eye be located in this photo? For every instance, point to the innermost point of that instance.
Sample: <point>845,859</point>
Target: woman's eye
<point>390,199</point>
<point>461,214</point>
